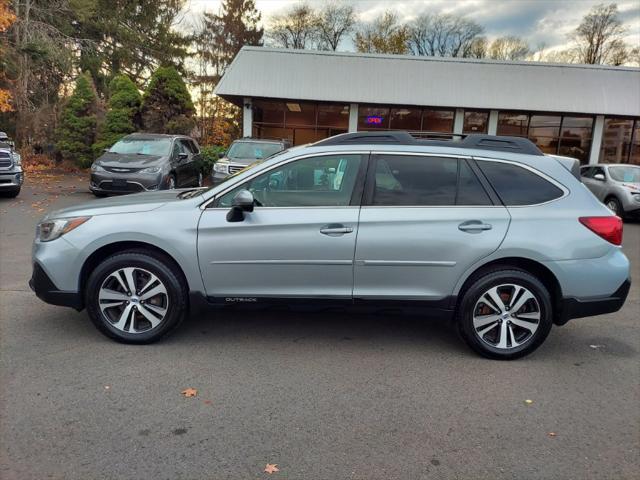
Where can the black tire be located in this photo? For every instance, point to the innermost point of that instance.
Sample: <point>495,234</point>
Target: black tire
<point>615,206</point>
<point>99,194</point>
<point>160,266</point>
<point>492,278</point>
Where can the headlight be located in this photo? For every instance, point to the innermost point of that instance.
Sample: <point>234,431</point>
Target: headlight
<point>52,229</point>
<point>151,170</point>
<point>96,168</point>
<point>18,159</point>
<point>221,167</point>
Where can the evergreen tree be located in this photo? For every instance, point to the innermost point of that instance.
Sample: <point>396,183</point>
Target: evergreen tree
<point>166,104</point>
<point>123,112</point>
<point>77,130</point>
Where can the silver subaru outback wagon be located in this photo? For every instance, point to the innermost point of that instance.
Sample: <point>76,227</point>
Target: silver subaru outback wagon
<point>486,231</point>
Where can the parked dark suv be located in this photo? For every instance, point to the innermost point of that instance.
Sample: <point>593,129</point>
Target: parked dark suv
<point>143,161</point>
<point>245,152</point>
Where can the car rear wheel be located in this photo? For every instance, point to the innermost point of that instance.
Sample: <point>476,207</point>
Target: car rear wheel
<point>136,297</point>
<point>505,314</point>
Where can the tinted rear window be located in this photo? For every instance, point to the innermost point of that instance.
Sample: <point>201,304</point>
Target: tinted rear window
<point>518,186</point>
<point>415,180</point>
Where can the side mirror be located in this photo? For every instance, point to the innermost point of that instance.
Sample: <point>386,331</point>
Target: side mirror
<point>221,154</point>
<point>183,156</point>
<point>599,176</point>
<point>242,202</point>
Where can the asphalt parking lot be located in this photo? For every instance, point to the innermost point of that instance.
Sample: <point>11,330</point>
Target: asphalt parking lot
<point>323,395</point>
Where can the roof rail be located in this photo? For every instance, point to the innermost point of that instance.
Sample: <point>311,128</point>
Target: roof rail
<point>401,137</point>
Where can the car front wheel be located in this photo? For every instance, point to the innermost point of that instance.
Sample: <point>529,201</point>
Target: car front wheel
<point>136,297</point>
<point>505,314</point>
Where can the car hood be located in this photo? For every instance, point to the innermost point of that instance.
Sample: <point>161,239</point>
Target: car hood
<point>139,202</point>
<point>121,160</point>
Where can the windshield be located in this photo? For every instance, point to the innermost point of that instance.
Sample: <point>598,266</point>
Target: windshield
<point>625,174</point>
<point>253,150</point>
<point>142,146</point>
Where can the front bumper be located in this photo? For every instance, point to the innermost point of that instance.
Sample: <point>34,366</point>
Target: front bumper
<point>113,183</point>
<point>579,308</point>
<point>47,291</point>
<point>11,180</point>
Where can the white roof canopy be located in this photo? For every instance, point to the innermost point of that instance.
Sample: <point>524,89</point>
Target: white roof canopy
<point>431,81</point>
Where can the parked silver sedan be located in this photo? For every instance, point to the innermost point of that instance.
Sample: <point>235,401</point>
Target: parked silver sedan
<point>615,185</point>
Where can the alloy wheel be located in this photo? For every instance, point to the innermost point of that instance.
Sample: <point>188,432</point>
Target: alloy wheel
<point>133,300</point>
<point>613,206</point>
<point>506,316</point>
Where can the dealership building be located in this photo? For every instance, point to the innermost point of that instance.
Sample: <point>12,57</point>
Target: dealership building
<point>588,112</point>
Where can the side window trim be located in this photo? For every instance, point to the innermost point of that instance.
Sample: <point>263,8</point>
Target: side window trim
<point>488,188</point>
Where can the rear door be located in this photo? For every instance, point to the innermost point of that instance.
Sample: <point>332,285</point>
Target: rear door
<point>425,221</point>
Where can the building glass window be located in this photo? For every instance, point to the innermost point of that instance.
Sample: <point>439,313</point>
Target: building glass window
<point>513,124</point>
<point>568,135</point>
<point>475,122</point>
<point>405,118</point>
<point>544,131</point>
<point>619,141</point>
<point>437,121</point>
<point>634,156</point>
<point>298,122</point>
<point>373,118</point>
<point>575,137</point>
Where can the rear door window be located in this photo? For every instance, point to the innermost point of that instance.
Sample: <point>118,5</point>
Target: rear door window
<point>421,180</point>
<point>403,180</point>
<point>518,186</point>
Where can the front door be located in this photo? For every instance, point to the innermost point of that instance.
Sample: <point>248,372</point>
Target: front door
<point>299,241</point>
<point>426,220</point>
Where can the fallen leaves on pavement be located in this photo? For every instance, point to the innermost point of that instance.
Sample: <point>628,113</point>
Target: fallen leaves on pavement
<point>271,468</point>
<point>528,402</point>
<point>190,392</point>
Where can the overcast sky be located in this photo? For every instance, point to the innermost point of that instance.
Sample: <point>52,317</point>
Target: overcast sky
<point>540,22</point>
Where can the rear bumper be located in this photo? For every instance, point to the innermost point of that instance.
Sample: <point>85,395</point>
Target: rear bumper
<point>579,308</point>
<point>46,290</point>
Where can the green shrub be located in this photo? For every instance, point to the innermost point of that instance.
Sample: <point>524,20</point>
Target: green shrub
<point>76,132</point>
<point>210,155</point>
<point>166,104</point>
<point>123,113</point>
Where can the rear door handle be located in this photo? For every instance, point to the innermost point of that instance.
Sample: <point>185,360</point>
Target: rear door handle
<point>335,230</point>
<point>474,226</point>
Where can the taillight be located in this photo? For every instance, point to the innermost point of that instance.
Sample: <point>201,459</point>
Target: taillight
<point>609,228</point>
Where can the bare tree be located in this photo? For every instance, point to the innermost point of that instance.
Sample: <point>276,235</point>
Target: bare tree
<point>477,48</point>
<point>508,48</point>
<point>599,34</point>
<point>383,35</point>
<point>634,56</point>
<point>334,23</point>
<point>443,35</point>
<point>620,53</point>
<point>297,27</point>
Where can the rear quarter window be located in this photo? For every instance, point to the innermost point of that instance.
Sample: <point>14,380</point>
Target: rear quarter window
<point>518,186</point>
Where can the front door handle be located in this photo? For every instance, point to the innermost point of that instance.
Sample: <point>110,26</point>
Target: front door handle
<point>474,226</point>
<point>335,230</point>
